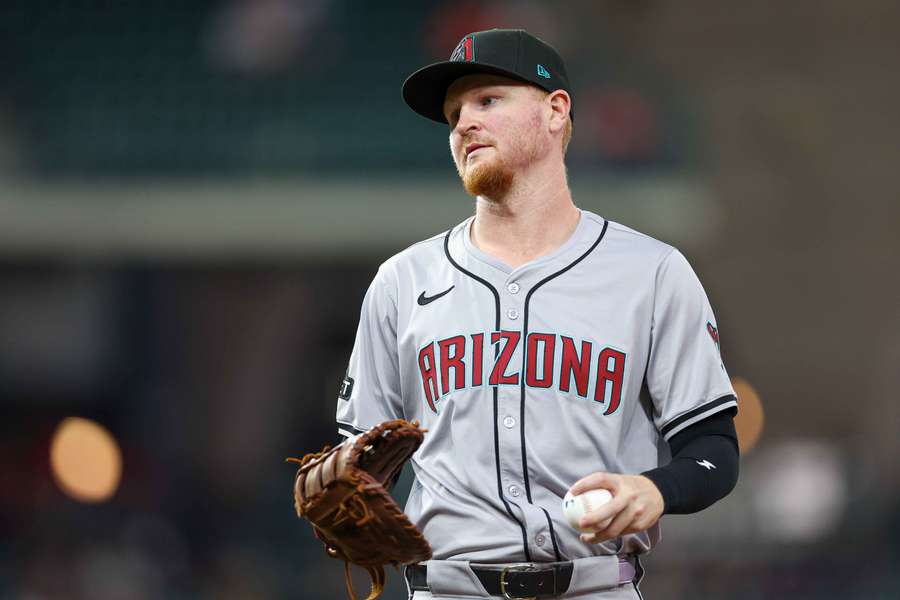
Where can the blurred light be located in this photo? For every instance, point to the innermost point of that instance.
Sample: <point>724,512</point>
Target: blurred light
<point>85,460</point>
<point>751,417</point>
<point>622,123</point>
<point>800,491</point>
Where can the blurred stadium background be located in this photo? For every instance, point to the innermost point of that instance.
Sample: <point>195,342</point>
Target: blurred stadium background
<point>194,196</point>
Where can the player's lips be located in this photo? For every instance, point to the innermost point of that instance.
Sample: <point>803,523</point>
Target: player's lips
<point>473,147</point>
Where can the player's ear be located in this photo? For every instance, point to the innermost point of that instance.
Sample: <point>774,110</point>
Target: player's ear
<point>560,103</point>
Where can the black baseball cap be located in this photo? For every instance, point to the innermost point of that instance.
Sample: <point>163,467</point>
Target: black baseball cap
<point>513,53</point>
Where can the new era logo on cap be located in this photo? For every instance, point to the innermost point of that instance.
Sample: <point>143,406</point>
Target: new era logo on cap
<point>542,72</point>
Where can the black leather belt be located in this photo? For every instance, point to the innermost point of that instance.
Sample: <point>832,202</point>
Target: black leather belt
<point>509,581</point>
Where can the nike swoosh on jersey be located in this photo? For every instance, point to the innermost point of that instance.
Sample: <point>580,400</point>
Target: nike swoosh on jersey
<point>423,299</point>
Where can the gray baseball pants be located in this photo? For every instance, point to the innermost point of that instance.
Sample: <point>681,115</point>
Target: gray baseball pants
<point>623,592</point>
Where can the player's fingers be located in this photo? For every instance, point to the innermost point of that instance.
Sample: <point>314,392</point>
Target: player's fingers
<point>599,527</point>
<point>644,517</point>
<point>623,521</point>
<point>642,514</point>
<point>591,538</point>
<point>597,518</point>
<point>619,524</point>
<point>591,482</point>
<point>596,537</point>
<point>598,480</point>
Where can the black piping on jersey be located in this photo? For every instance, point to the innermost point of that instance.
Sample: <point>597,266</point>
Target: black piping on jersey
<point>522,383</point>
<point>351,428</point>
<point>496,409</point>
<point>699,410</point>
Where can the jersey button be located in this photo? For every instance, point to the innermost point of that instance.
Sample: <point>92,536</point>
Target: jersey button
<point>509,422</point>
<point>513,288</point>
<point>512,313</point>
<point>514,491</point>
<point>539,540</point>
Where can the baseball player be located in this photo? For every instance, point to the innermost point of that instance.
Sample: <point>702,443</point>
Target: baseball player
<point>545,348</point>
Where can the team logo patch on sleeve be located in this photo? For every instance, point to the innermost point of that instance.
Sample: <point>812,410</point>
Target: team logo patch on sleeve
<point>714,334</point>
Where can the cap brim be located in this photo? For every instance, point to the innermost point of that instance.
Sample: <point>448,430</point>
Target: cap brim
<point>426,89</point>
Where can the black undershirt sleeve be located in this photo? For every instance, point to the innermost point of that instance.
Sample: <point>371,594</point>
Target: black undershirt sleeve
<point>704,467</point>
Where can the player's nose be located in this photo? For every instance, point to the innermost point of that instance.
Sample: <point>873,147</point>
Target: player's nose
<point>467,122</point>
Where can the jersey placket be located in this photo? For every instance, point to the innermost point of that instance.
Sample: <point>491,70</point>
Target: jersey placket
<point>513,291</point>
<point>508,395</point>
<point>536,519</point>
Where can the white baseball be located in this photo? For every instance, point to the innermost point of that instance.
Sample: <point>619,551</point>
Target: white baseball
<point>575,507</point>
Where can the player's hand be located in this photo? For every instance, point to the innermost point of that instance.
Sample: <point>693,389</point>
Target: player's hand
<point>636,505</point>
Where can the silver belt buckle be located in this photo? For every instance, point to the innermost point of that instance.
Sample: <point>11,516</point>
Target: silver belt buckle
<point>524,567</point>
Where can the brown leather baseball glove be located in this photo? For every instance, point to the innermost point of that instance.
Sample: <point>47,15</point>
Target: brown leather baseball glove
<point>342,491</point>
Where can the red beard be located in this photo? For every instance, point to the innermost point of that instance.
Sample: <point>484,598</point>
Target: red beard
<point>491,180</point>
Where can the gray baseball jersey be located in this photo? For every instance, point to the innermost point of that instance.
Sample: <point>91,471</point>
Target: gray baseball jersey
<point>528,379</point>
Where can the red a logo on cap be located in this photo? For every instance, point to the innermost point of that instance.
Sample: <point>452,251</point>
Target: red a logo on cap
<point>465,51</point>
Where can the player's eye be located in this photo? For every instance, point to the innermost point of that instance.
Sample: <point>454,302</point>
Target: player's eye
<point>488,100</point>
<point>452,116</point>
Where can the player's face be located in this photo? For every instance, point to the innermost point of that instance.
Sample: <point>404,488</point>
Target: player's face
<point>496,130</point>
